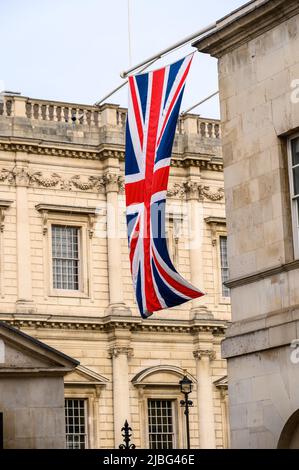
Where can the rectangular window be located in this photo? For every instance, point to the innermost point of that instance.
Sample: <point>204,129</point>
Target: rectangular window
<point>76,423</point>
<point>294,190</point>
<point>224,266</point>
<point>160,424</point>
<point>65,257</point>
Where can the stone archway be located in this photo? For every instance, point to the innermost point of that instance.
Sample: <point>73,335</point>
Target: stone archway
<point>289,438</point>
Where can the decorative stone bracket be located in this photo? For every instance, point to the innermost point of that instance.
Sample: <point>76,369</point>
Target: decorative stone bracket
<point>4,205</point>
<point>115,351</point>
<point>199,353</point>
<point>91,212</point>
<point>214,223</point>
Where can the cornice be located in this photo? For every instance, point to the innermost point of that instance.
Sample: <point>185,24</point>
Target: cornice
<point>110,323</point>
<point>257,276</point>
<point>103,152</point>
<point>245,24</point>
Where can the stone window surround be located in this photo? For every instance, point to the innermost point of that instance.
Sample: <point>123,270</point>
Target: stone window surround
<point>218,229</point>
<point>84,219</point>
<point>4,207</point>
<point>89,388</point>
<point>294,207</point>
<point>161,391</point>
<point>86,419</point>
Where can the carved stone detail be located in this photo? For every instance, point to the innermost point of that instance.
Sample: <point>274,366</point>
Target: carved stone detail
<point>92,183</point>
<point>23,176</point>
<point>46,181</point>
<point>176,190</point>
<point>115,351</point>
<point>113,182</point>
<point>7,176</point>
<point>199,353</point>
<point>195,190</point>
<point>212,196</point>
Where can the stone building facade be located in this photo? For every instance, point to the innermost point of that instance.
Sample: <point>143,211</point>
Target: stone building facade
<point>31,391</point>
<point>257,47</point>
<point>65,276</point>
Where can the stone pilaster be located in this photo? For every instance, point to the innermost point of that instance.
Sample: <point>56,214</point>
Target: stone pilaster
<point>24,277</point>
<point>121,392</point>
<point>205,398</point>
<point>196,220</point>
<point>113,183</point>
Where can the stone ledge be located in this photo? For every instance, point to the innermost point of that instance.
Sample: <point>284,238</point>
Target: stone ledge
<point>246,23</point>
<point>257,276</point>
<point>108,323</point>
<point>259,340</point>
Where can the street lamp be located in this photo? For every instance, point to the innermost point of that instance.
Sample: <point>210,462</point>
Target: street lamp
<point>186,389</point>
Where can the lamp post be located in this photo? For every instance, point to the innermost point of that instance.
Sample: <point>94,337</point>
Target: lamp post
<point>186,389</point>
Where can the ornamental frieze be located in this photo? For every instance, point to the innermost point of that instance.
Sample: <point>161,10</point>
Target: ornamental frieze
<point>23,176</point>
<point>195,190</point>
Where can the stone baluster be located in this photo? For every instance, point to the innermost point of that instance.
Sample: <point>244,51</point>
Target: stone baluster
<point>55,117</point>
<point>39,112</point>
<point>47,112</point>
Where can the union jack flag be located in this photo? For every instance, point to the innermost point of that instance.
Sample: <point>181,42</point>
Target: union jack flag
<point>154,103</point>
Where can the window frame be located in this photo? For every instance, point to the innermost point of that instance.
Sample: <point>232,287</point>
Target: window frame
<point>174,405</point>
<point>79,259</point>
<point>222,235</point>
<point>86,419</point>
<point>84,262</point>
<point>293,198</point>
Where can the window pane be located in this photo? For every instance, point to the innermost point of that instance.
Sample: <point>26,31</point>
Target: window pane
<point>160,424</point>
<point>76,435</point>
<point>224,266</point>
<point>65,252</point>
<point>295,151</point>
<point>296,180</point>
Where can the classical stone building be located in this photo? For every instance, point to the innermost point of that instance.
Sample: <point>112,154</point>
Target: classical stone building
<point>65,277</point>
<point>257,47</point>
<point>31,391</point>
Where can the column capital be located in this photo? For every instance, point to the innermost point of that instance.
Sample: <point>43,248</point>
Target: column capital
<point>199,353</point>
<point>113,182</point>
<point>192,190</point>
<point>115,351</point>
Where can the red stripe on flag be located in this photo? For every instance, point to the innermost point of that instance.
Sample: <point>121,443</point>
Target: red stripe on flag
<point>160,179</point>
<point>133,244</point>
<point>136,110</point>
<point>193,294</point>
<point>152,301</point>
<point>134,193</point>
<point>178,90</point>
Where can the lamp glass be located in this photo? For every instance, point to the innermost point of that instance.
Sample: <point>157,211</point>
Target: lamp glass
<point>186,385</point>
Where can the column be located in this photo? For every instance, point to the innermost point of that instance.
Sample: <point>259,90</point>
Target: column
<point>196,221</point>
<point>205,398</point>
<point>121,390</point>
<point>24,302</point>
<point>116,302</point>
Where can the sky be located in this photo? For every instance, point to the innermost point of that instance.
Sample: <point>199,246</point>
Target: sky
<point>74,50</point>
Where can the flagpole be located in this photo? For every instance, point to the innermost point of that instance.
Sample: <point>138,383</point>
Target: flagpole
<point>200,102</point>
<point>97,103</point>
<point>174,46</point>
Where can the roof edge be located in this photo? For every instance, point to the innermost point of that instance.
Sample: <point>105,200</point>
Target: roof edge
<point>244,24</point>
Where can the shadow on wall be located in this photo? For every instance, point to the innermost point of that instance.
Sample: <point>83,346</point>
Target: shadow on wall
<point>289,438</point>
